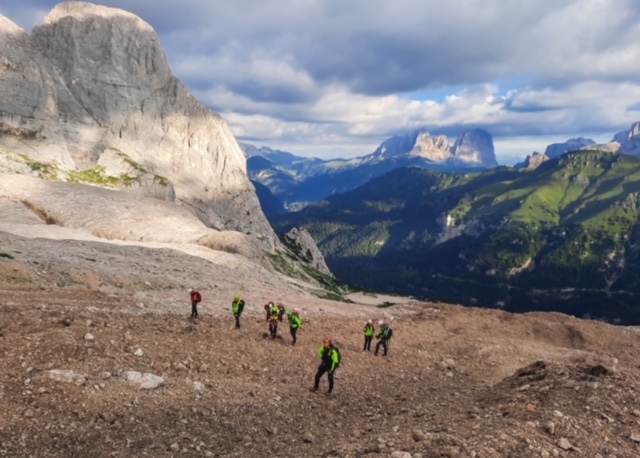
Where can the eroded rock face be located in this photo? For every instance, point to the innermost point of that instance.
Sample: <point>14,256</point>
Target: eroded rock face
<point>630,140</point>
<point>91,87</point>
<point>475,147</point>
<point>301,242</point>
<point>573,144</point>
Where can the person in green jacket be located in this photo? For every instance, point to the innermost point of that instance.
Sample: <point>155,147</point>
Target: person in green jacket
<point>295,323</point>
<point>384,337</point>
<point>369,332</point>
<point>237,306</point>
<point>330,360</point>
<point>274,315</point>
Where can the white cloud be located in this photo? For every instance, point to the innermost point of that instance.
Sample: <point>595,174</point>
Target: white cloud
<point>320,75</point>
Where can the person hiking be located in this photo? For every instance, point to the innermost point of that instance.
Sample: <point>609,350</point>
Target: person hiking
<point>237,306</point>
<point>267,309</point>
<point>274,317</point>
<point>295,323</point>
<point>369,332</point>
<point>383,338</point>
<point>330,360</point>
<point>196,298</point>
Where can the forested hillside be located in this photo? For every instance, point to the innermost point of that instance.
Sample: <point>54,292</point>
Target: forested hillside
<point>561,237</point>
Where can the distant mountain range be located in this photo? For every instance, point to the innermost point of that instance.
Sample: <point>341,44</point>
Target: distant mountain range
<point>563,236</point>
<point>296,181</point>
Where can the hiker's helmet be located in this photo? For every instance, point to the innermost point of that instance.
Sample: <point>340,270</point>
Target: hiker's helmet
<point>327,341</point>
<point>190,290</point>
<point>370,322</point>
<point>380,323</point>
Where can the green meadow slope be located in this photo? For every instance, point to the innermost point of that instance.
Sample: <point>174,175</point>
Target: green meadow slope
<point>561,237</point>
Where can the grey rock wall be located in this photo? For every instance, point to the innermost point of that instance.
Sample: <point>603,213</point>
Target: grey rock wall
<point>92,81</point>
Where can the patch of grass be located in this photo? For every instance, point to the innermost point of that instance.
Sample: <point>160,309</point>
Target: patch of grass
<point>385,304</point>
<point>98,176</point>
<point>335,297</point>
<point>162,181</point>
<point>157,179</point>
<point>44,170</point>
<point>281,264</point>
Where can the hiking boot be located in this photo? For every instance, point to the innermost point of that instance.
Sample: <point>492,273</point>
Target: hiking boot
<point>313,389</point>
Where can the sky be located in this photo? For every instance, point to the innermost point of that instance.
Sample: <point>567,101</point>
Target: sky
<point>335,78</point>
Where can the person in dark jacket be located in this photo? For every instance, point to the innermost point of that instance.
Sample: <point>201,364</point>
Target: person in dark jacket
<point>196,298</point>
<point>383,338</point>
<point>330,360</point>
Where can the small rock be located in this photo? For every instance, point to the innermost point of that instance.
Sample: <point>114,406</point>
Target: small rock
<point>635,437</point>
<point>308,438</point>
<point>418,435</point>
<point>146,381</point>
<point>564,444</point>
<point>551,427</point>
<point>89,336</point>
<point>400,454</point>
<point>138,352</point>
<point>175,447</point>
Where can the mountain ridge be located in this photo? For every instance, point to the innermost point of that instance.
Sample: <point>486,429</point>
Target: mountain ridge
<point>557,237</point>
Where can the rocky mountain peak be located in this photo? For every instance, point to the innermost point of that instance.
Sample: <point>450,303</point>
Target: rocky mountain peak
<point>436,149</point>
<point>475,147</point>
<point>629,140</point>
<point>573,144</point>
<point>91,91</point>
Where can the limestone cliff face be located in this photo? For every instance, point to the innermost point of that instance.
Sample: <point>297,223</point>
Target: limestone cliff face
<point>91,87</point>
<point>630,140</point>
<point>573,144</point>
<point>301,242</point>
<point>473,148</point>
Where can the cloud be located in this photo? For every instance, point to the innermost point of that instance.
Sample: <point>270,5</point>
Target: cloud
<point>324,74</point>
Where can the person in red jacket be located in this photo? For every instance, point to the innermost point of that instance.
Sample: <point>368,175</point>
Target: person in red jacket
<point>196,298</point>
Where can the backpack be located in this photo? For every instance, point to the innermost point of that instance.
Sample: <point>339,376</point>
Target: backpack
<point>389,333</point>
<point>337,351</point>
<point>241,306</point>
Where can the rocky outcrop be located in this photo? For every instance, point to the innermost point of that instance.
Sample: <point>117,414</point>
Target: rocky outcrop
<point>573,144</point>
<point>303,245</point>
<point>532,161</point>
<point>473,148</point>
<point>91,90</point>
<point>629,140</point>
